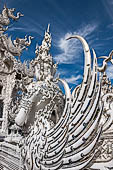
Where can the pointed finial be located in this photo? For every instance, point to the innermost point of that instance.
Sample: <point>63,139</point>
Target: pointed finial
<point>48,27</point>
<point>37,49</point>
<point>25,37</point>
<point>5,6</point>
<point>37,46</point>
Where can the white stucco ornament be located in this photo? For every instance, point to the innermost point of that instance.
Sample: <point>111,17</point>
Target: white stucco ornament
<point>41,128</point>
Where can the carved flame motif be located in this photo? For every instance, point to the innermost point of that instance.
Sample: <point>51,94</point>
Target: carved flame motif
<point>45,128</point>
<point>71,143</point>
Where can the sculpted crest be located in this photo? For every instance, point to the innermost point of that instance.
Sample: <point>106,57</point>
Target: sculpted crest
<point>42,127</point>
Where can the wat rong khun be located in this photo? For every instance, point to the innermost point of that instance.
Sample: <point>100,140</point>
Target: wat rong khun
<point>41,128</point>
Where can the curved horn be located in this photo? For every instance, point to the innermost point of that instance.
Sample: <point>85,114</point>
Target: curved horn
<point>65,114</point>
<point>66,88</point>
<point>5,7</point>
<point>87,66</point>
<point>86,48</point>
<point>94,53</point>
<point>48,27</point>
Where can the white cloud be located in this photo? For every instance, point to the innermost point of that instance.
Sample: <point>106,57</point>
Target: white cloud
<point>110,2</point>
<point>28,27</point>
<point>15,28</point>
<point>62,72</point>
<point>73,79</point>
<point>108,5</point>
<point>70,49</point>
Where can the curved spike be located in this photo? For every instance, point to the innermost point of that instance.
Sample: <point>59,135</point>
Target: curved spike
<point>86,151</point>
<point>61,127</point>
<point>87,118</point>
<point>84,138</point>
<point>75,91</point>
<point>87,74</point>
<point>48,28</point>
<point>86,48</point>
<point>65,116</point>
<point>94,53</point>
<point>80,165</point>
<point>66,87</point>
<point>89,96</point>
<point>5,7</point>
<point>37,46</point>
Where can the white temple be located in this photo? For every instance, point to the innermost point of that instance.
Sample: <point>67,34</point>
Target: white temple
<point>40,127</point>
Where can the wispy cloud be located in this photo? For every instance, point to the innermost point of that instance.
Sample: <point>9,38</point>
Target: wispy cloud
<point>108,5</point>
<point>73,79</point>
<point>15,28</point>
<point>111,2</point>
<point>28,26</point>
<point>70,50</point>
<point>62,72</point>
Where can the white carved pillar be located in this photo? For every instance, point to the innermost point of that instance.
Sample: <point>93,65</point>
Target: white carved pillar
<point>7,100</point>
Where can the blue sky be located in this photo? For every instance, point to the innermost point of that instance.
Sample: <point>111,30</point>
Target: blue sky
<point>91,19</point>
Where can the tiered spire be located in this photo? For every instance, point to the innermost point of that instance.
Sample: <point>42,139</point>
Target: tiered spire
<point>44,65</point>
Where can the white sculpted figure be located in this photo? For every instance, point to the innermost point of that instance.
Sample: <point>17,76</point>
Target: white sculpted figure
<point>61,132</point>
<point>23,42</point>
<point>5,17</point>
<point>49,130</point>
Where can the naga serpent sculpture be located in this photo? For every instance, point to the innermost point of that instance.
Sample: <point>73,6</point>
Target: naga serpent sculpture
<point>57,131</point>
<point>63,133</point>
